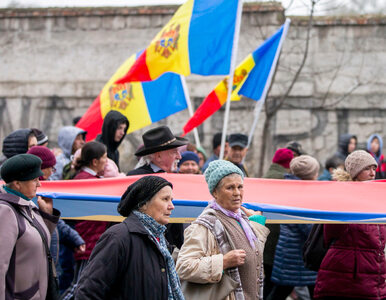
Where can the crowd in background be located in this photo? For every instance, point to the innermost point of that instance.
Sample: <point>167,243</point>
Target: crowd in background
<point>273,260</point>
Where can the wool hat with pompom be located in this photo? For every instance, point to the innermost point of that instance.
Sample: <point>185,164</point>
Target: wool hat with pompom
<point>217,170</point>
<point>357,161</point>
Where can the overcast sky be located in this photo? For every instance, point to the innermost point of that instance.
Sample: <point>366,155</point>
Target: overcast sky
<point>295,7</point>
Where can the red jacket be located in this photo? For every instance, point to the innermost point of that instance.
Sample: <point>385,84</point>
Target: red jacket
<point>90,231</point>
<point>354,265</point>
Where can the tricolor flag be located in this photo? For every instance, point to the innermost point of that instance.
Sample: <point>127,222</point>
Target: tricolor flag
<point>250,79</point>
<point>197,40</point>
<point>141,103</point>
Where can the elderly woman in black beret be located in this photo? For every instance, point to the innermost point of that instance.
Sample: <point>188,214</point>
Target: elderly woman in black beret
<point>25,230</point>
<point>131,259</point>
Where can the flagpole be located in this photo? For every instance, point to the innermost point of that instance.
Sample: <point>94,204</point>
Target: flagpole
<point>230,78</point>
<point>190,109</point>
<point>260,103</point>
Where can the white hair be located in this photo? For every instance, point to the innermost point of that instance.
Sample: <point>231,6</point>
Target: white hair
<point>144,160</point>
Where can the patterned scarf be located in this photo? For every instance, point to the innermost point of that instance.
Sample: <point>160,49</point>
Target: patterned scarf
<point>156,232</point>
<point>239,218</point>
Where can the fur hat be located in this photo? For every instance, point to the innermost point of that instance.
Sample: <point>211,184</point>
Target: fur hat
<point>357,161</point>
<point>305,167</point>
<point>217,170</point>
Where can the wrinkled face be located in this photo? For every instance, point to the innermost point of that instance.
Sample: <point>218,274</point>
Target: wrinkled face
<point>352,145</point>
<point>374,146</point>
<point>32,141</point>
<point>236,154</point>
<point>229,192</point>
<point>189,167</point>
<point>47,172</point>
<point>99,164</point>
<point>168,159</point>
<point>27,188</point>
<point>78,143</point>
<point>366,174</point>
<point>160,206</point>
<point>120,132</point>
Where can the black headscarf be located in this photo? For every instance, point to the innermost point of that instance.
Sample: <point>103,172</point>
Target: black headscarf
<point>140,192</point>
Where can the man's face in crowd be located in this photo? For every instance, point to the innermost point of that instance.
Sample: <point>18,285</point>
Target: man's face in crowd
<point>120,132</point>
<point>236,154</point>
<point>168,159</point>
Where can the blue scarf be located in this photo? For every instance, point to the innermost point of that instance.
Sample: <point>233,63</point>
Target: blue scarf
<point>156,232</point>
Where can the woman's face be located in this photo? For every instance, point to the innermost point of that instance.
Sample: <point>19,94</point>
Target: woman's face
<point>99,164</point>
<point>189,167</point>
<point>47,172</point>
<point>352,145</point>
<point>366,174</point>
<point>229,192</point>
<point>160,206</point>
<point>374,146</point>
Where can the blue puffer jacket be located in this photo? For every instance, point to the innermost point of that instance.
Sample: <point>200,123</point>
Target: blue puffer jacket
<point>288,265</point>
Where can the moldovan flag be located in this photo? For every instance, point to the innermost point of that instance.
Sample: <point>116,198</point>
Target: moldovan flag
<point>197,40</point>
<point>250,79</point>
<point>141,103</point>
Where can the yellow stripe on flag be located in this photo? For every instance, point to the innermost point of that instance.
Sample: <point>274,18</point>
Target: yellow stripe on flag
<point>168,51</point>
<point>127,98</point>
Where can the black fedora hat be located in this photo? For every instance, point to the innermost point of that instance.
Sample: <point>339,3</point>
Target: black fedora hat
<point>159,139</point>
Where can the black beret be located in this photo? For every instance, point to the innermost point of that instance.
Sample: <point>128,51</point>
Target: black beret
<point>140,192</point>
<point>21,167</point>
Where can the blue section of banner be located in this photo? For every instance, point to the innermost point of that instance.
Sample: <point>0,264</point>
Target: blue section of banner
<point>211,34</point>
<point>79,205</point>
<point>263,56</point>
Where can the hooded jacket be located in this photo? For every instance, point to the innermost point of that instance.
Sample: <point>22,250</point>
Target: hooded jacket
<point>110,125</point>
<point>354,265</point>
<point>66,138</point>
<point>379,157</point>
<point>23,259</point>
<point>16,142</point>
<point>344,140</point>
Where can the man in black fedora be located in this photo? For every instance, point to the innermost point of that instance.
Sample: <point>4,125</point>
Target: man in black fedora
<point>159,153</point>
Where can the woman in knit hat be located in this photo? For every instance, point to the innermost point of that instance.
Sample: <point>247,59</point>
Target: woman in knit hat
<point>48,160</point>
<point>226,241</point>
<point>354,266</point>
<point>188,163</point>
<point>131,260</point>
<point>288,266</point>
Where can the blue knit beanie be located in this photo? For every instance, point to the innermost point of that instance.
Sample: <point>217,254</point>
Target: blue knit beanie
<point>188,155</point>
<point>217,170</point>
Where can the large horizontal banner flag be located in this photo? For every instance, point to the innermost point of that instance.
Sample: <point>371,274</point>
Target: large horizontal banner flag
<point>197,40</point>
<point>142,103</point>
<point>283,201</point>
<point>249,79</point>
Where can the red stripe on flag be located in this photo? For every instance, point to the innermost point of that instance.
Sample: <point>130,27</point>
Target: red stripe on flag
<point>92,120</point>
<point>138,72</point>
<point>208,107</point>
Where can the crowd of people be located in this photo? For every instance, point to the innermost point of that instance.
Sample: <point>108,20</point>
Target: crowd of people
<point>228,252</point>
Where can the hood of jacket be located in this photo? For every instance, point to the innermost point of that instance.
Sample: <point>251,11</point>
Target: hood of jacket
<point>66,138</point>
<point>377,155</point>
<point>16,142</point>
<point>344,140</point>
<point>110,125</point>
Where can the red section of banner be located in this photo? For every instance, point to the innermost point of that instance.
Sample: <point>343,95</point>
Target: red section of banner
<point>318,195</point>
<point>92,120</point>
<point>138,72</point>
<point>208,107</point>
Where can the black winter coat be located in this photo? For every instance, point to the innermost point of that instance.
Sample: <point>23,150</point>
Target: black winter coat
<point>125,264</point>
<point>146,169</point>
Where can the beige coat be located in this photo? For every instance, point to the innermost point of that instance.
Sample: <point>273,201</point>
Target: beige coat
<point>200,260</point>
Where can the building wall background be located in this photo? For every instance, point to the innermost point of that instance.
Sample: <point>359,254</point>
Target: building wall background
<point>54,62</point>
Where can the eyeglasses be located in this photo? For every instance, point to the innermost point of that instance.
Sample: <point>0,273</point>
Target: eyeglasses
<point>53,170</point>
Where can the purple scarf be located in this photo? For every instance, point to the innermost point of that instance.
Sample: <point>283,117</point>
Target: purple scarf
<point>238,217</point>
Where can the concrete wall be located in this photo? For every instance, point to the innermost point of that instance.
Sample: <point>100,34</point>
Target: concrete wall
<point>54,62</point>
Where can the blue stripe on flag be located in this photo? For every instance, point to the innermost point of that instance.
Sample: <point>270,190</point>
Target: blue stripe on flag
<point>164,96</point>
<point>254,85</point>
<point>211,33</point>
